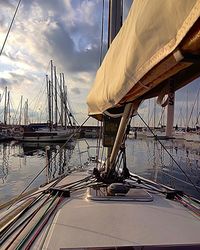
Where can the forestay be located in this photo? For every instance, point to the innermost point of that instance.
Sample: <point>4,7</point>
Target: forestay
<point>152,31</point>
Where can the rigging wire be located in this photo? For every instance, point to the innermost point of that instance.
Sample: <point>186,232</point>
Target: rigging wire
<point>46,70</point>
<point>197,189</point>
<point>14,113</point>
<point>10,27</point>
<point>193,106</point>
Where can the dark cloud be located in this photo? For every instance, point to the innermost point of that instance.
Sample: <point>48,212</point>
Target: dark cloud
<point>16,80</point>
<point>6,4</point>
<point>45,5</point>
<point>20,79</point>
<point>64,50</point>
<point>4,82</point>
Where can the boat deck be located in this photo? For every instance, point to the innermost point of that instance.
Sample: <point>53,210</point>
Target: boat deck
<point>82,223</point>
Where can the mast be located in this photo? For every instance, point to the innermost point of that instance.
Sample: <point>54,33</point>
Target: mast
<point>154,114</point>
<point>8,107</point>
<point>61,101</point>
<point>56,102</point>
<point>148,118</point>
<point>187,125</point>
<point>170,111</point>
<point>197,119</point>
<point>26,112</point>
<point>48,101</point>
<point>48,83</point>
<point>20,111</point>
<point>5,106</point>
<point>65,101</point>
<point>115,19</point>
<point>52,108</point>
<point>115,23</point>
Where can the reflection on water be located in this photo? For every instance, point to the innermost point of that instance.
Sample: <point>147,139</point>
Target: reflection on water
<point>150,160</point>
<point>20,163</point>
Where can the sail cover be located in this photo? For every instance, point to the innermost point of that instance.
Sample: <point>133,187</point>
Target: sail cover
<point>152,31</point>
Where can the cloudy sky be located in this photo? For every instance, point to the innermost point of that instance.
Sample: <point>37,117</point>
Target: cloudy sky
<point>69,33</point>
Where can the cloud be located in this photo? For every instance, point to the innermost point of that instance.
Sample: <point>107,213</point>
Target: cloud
<point>4,82</point>
<point>74,46</point>
<point>76,91</point>
<point>6,4</point>
<point>69,33</point>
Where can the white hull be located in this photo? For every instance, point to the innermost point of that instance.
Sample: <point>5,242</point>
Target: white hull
<point>192,137</point>
<point>42,138</point>
<point>187,136</point>
<point>45,136</point>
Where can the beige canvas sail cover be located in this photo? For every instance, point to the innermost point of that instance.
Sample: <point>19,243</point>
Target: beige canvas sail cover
<point>152,30</point>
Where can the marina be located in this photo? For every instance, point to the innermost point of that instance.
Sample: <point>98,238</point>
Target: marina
<point>20,162</point>
<point>127,175</point>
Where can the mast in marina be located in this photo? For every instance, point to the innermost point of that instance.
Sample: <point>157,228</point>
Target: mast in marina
<point>48,83</point>
<point>61,101</point>
<point>8,107</point>
<point>64,101</point>
<point>197,117</point>
<point>51,97</point>
<point>154,114</point>
<point>5,106</point>
<point>170,111</point>
<point>56,100</point>
<point>20,111</point>
<point>26,112</point>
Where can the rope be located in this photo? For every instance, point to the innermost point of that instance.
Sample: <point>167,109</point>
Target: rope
<point>189,206</point>
<point>26,209</point>
<point>32,230</point>
<point>75,186</point>
<point>14,219</point>
<point>169,154</point>
<point>26,221</point>
<point>43,224</point>
<point>10,27</point>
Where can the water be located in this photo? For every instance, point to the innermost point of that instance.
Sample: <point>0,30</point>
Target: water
<point>20,163</point>
<point>150,160</point>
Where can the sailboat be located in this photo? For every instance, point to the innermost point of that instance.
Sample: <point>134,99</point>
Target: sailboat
<point>55,130</point>
<point>107,207</point>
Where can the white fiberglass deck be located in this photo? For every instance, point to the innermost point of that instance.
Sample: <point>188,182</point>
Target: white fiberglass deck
<point>82,223</point>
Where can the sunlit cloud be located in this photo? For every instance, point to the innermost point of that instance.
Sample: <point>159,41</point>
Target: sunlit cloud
<point>69,33</point>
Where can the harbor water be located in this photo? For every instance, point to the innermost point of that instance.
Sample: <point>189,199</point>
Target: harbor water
<point>21,162</point>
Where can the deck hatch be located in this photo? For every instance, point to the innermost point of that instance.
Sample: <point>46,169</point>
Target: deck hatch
<point>100,194</point>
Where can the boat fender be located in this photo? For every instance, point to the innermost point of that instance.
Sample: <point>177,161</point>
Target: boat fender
<point>117,189</point>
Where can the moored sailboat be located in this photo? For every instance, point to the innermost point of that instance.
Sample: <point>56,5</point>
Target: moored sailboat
<point>109,207</point>
<point>61,122</point>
